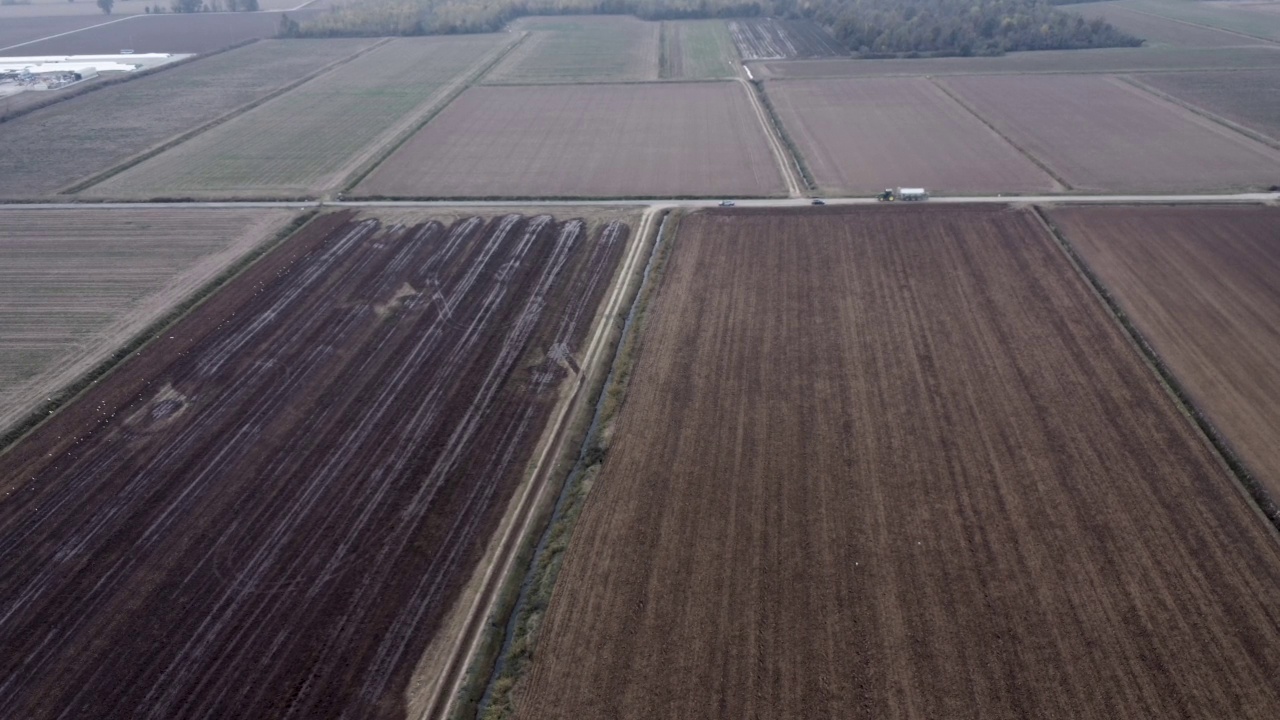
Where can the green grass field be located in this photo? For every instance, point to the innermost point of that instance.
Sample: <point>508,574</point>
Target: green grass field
<point>307,140</point>
<point>573,49</point>
<point>697,50</point>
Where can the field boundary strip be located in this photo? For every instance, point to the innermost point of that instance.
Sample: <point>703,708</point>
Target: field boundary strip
<point>1025,153</point>
<point>784,152</point>
<point>1254,493</point>
<point>1206,114</point>
<point>533,495</point>
<point>378,152</point>
<point>492,677</point>
<point>66,396</point>
<point>173,142</point>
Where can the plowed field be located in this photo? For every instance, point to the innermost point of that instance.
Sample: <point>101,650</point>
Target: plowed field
<point>171,33</point>
<point>859,136</point>
<point>265,514</point>
<point>582,49</point>
<point>77,284</point>
<point>1200,284</point>
<point>773,39</point>
<point>1098,133</point>
<point>900,463</point>
<point>626,140</point>
<point>1248,97</point>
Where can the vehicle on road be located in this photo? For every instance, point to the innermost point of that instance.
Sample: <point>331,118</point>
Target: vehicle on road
<point>726,203</point>
<point>818,201</point>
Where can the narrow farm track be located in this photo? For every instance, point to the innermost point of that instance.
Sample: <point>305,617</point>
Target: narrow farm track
<point>288,490</point>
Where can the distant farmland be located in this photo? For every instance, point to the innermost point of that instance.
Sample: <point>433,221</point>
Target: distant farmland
<point>1248,97</point>
<point>858,136</point>
<point>266,513</point>
<point>76,284</point>
<point>1098,133</point>
<point>622,140</point>
<point>1106,60</point>
<point>172,33</point>
<point>60,146</point>
<point>697,50</point>
<point>1200,284</point>
<point>773,39</point>
<point>25,29</point>
<point>306,140</point>
<point>900,462</point>
<point>582,48</point>
<point>1155,29</point>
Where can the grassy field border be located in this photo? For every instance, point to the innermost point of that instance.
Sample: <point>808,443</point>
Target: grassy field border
<point>66,396</point>
<point>1249,486</point>
<point>797,158</point>
<point>581,467</point>
<point>226,117</point>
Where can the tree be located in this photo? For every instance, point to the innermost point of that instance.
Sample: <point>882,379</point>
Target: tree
<point>186,6</point>
<point>106,5</point>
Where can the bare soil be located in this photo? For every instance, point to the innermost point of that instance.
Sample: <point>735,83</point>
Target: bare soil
<point>1099,133</point>
<point>1248,97</point>
<point>624,140</point>
<point>774,39</point>
<point>268,510</point>
<point>172,33</point>
<point>1200,284</point>
<point>860,136</point>
<point>901,463</point>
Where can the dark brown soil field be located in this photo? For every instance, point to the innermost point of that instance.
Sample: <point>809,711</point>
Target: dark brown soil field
<point>860,136</point>
<point>1106,60</point>
<point>901,463</point>
<point>91,133</point>
<point>21,30</point>
<point>1099,133</point>
<point>773,39</point>
<point>1200,284</point>
<point>265,513</point>
<point>625,140</point>
<point>173,33</point>
<point>1248,97</point>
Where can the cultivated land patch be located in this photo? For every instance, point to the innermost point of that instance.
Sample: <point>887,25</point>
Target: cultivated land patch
<point>860,136</point>
<point>627,140</point>
<point>773,39</point>
<point>1260,20</point>
<point>21,30</point>
<point>1200,285</point>
<point>1162,31</point>
<point>697,50</point>
<point>77,284</point>
<point>900,462</point>
<point>85,135</point>
<point>1099,133</point>
<point>1249,98</point>
<point>1102,60</point>
<point>267,512</point>
<point>304,141</point>
<point>172,33</point>
<point>582,48</point>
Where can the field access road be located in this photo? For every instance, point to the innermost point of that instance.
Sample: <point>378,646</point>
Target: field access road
<point>660,204</point>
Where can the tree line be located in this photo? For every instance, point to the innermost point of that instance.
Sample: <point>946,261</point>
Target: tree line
<point>869,28</point>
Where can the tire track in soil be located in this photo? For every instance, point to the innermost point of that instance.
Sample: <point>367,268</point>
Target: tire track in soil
<point>287,495</point>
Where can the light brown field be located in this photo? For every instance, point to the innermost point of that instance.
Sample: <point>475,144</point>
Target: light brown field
<point>626,140</point>
<point>1162,31</point>
<point>1248,97</point>
<point>859,136</point>
<point>77,284</point>
<point>900,463</point>
<point>1098,133</point>
<point>1200,284</point>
